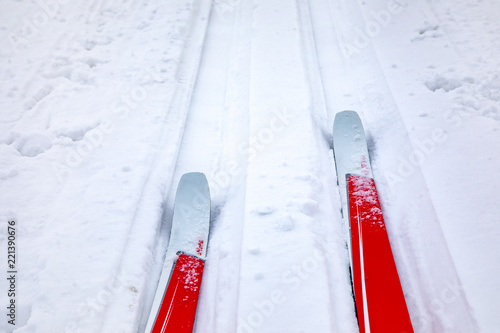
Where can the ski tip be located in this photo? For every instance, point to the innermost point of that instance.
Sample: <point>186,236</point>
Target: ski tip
<point>344,118</point>
<point>347,112</point>
<point>345,115</point>
<point>196,180</point>
<point>199,176</point>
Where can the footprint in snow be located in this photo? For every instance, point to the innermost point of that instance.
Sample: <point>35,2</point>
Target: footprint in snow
<point>33,144</point>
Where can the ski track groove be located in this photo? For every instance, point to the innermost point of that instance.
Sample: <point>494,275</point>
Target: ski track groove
<point>130,273</point>
<point>380,73</point>
<point>389,100</point>
<point>220,92</point>
<point>236,106</point>
<point>337,268</point>
<point>232,219</point>
<point>312,117</point>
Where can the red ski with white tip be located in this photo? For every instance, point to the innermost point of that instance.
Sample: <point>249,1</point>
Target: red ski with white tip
<point>176,299</point>
<point>379,298</point>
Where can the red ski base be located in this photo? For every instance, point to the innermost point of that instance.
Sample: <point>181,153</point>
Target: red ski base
<point>380,302</point>
<point>178,308</point>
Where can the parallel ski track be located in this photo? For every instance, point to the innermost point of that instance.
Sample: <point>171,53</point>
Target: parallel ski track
<point>218,312</point>
<point>216,126</point>
<point>140,243</point>
<point>323,114</point>
<point>228,232</point>
<point>324,232</point>
<point>412,270</point>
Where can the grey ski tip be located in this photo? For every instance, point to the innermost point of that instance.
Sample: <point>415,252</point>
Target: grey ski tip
<point>347,114</point>
<point>193,183</point>
<point>194,176</point>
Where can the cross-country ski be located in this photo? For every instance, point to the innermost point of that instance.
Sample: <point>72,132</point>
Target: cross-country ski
<point>176,299</point>
<point>380,302</point>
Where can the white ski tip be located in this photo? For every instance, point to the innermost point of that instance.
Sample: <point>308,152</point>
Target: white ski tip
<point>191,220</point>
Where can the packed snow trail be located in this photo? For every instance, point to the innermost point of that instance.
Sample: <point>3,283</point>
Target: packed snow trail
<point>292,242</point>
<point>105,104</point>
<point>215,130</point>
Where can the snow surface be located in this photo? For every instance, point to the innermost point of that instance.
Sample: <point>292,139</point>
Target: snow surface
<point>104,104</point>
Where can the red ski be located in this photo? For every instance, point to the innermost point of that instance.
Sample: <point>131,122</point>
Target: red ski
<point>178,307</point>
<point>176,299</point>
<point>379,298</point>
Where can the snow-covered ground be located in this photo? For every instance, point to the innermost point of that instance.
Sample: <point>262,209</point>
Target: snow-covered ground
<point>104,104</point>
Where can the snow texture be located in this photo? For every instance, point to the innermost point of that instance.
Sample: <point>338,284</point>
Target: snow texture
<point>105,104</point>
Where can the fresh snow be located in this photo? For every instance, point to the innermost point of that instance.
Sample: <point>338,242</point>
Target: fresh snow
<point>104,104</point>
